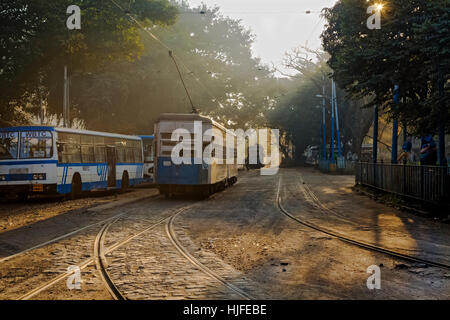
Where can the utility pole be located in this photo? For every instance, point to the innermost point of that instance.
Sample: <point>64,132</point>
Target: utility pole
<point>442,119</point>
<point>65,97</point>
<point>375,134</point>
<point>395,126</point>
<point>68,101</point>
<point>324,152</point>
<point>337,118</point>
<point>332,129</point>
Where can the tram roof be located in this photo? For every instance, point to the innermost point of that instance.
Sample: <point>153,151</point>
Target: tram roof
<point>189,117</point>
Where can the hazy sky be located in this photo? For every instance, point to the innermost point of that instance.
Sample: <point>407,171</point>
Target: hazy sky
<point>279,25</point>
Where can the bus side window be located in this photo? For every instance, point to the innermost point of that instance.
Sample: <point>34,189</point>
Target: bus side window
<point>137,152</point>
<point>99,149</point>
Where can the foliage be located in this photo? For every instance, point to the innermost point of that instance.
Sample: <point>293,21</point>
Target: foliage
<point>410,50</point>
<point>35,43</point>
<point>299,111</point>
<point>214,55</point>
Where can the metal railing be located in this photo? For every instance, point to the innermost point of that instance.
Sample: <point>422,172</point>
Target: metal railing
<point>427,183</point>
<point>339,166</point>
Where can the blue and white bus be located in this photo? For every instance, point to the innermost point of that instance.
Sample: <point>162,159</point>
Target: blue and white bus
<point>41,159</point>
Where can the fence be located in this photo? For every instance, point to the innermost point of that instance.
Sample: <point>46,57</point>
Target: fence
<point>340,166</point>
<point>428,183</point>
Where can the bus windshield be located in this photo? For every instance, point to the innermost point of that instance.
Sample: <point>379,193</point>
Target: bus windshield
<point>36,144</point>
<point>8,145</point>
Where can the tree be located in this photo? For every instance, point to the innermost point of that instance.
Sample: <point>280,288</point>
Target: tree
<point>35,44</point>
<point>410,50</point>
<point>299,112</point>
<point>215,58</point>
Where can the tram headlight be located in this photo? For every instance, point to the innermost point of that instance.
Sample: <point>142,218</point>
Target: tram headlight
<point>2,177</point>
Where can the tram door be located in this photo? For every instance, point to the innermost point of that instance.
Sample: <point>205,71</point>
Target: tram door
<point>111,160</point>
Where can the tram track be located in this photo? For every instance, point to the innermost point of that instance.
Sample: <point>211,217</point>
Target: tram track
<point>74,232</point>
<point>100,252</point>
<point>101,263</point>
<point>185,253</point>
<point>171,234</point>
<point>99,259</point>
<point>348,239</point>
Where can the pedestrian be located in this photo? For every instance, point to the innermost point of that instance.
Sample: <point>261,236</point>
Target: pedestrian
<point>406,151</point>
<point>349,155</point>
<point>428,151</point>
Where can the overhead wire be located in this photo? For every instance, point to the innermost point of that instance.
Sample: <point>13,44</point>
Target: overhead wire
<point>172,55</point>
<point>314,29</point>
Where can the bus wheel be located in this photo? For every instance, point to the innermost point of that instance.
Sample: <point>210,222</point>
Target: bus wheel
<point>75,188</point>
<point>125,182</point>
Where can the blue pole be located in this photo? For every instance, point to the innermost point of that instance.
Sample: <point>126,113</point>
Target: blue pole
<point>442,158</point>
<point>395,127</point>
<point>324,155</point>
<point>332,131</point>
<point>441,132</point>
<point>337,120</point>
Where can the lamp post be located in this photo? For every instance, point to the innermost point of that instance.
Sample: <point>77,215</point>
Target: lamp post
<point>334,97</point>
<point>375,134</point>
<point>324,144</point>
<point>395,126</point>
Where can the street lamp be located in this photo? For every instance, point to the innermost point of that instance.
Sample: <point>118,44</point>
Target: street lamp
<point>324,146</point>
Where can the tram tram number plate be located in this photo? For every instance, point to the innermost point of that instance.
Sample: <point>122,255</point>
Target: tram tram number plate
<point>38,187</point>
<point>167,163</point>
